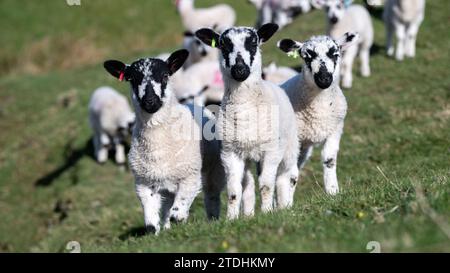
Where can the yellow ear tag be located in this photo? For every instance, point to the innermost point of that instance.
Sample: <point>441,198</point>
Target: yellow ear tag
<point>213,43</point>
<point>293,54</point>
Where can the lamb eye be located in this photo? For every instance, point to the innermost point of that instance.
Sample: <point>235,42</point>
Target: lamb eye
<point>332,53</point>
<point>311,54</point>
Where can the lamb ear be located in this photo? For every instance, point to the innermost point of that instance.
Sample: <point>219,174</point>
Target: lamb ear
<point>347,40</point>
<point>266,31</point>
<point>288,45</point>
<point>115,68</point>
<point>208,36</point>
<point>176,60</point>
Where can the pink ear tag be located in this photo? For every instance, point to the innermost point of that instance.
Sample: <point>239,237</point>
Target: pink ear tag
<point>121,75</point>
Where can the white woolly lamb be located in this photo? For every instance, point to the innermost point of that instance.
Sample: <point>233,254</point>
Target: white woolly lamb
<point>111,119</point>
<point>281,12</point>
<point>201,83</point>
<point>278,74</point>
<point>198,52</point>
<point>256,123</point>
<point>404,18</point>
<point>167,144</point>
<point>220,16</point>
<point>344,17</point>
<point>318,101</point>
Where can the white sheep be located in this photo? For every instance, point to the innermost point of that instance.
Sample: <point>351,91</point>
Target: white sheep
<point>256,123</point>
<point>111,119</point>
<point>220,16</point>
<point>344,17</point>
<point>198,52</point>
<point>201,83</point>
<point>318,101</point>
<point>404,18</point>
<point>281,12</point>
<point>167,144</point>
<point>278,74</point>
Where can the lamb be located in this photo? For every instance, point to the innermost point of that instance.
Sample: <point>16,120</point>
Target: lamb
<point>281,12</point>
<point>167,145</point>
<point>277,74</point>
<point>111,119</point>
<point>318,101</point>
<point>198,52</point>
<point>205,84</point>
<point>342,18</point>
<point>403,17</point>
<point>220,16</point>
<point>256,123</point>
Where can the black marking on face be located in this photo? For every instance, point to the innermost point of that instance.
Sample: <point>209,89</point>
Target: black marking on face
<point>309,57</point>
<point>333,54</point>
<point>329,163</point>
<point>143,74</point>
<point>233,197</point>
<point>226,47</point>
<point>175,209</point>
<point>251,45</point>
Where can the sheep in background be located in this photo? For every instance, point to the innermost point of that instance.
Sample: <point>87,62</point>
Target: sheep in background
<point>220,16</point>
<point>403,17</point>
<point>201,84</point>
<point>318,101</point>
<point>198,51</point>
<point>344,17</point>
<point>167,144</point>
<point>111,119</point>
<point>281,12</point>
<point>277,74</point>
<point>256,123</point>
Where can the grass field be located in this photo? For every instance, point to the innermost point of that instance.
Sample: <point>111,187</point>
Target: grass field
<point>393,168</point>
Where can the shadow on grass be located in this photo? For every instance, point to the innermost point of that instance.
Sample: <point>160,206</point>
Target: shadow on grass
<point>72,158</point>
<point>135,232</point>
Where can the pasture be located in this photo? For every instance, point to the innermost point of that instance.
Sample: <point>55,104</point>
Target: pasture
<point>393,167</point>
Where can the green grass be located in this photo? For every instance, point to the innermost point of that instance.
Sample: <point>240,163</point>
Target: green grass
<point>393,166</point>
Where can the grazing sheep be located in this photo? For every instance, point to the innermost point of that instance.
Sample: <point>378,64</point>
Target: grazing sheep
<point>201,84</point>
<point>256,123</point>
<point>220,16</point>
<point>111,119</point>
<point>403,17</point>
<point>342,18</point>
<point>277,74</point>
<point>281,12</point>
<point>198,52</point>
<point>318,101</point>
<point>166,148</point>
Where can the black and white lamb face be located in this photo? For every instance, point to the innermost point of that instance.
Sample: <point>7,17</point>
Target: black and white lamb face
<point>322,56</point>
<point>239,46</point>
<point>148,77</point>
<point>334,9</point>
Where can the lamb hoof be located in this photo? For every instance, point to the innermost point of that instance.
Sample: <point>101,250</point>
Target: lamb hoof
<point>151,229</point>
<point>390,52</point>
<point>176,217</point>
<point>332,191</point>
<point>175,220</point>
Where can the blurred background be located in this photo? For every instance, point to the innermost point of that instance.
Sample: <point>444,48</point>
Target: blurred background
<point>393,165</point>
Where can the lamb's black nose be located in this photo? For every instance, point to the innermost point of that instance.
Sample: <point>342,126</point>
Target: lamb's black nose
<point>323,78</point>
<point>333,20</point>
<point>240,72</point>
